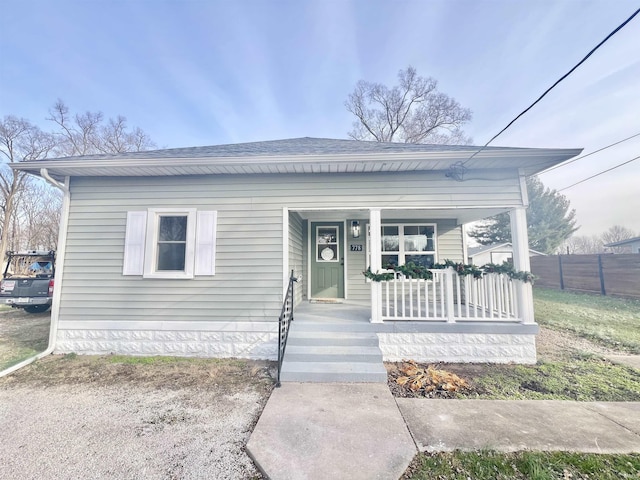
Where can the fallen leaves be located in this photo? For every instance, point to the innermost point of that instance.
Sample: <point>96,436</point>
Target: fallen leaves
<point>428,380</point>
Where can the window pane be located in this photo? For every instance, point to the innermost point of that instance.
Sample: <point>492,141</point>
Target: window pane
<point>171,256</point>
<point>418,239</point>
<point>422,260</point>
<point>389,261</point>
<point>390,239</point>
<point>327,235</point>
<point>173,229</point>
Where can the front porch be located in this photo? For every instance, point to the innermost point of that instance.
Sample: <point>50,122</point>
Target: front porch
<point>445,318</point>
<point>399,236</point>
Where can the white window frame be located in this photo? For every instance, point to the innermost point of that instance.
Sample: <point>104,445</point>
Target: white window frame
<point>319,258</point>
<point>151,247</point>
<point>401,252</point>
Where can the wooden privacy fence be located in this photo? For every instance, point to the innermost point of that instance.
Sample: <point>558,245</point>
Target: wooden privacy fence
<point>607,274</point>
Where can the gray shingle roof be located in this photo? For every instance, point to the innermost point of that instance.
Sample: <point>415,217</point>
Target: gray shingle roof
<point>292,146</point>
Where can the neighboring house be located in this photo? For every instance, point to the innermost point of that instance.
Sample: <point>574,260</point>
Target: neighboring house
<point>496,253</point>
<point>631,245</point>
<point>188,251</point>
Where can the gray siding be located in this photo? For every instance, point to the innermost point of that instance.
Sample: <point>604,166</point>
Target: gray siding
<point>305,257</point>
<point>296,253</point>
<point>248,281</point>
<point>450,241</point>
<point>357,287</point>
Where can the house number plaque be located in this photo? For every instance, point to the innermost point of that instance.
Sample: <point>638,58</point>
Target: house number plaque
<point>356,248</point>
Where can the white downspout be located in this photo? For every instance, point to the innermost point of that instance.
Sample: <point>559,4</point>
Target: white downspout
<point>60,254</point>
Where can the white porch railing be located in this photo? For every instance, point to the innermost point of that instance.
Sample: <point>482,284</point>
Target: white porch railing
<point>450,298</point>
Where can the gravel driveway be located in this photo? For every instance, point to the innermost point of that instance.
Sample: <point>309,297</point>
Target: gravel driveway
<point>89,418</point>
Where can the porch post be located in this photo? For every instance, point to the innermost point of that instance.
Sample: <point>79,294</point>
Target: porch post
<point>520,242</point>
<point>375,224</point>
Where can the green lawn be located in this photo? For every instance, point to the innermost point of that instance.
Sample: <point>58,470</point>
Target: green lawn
<point>611,321</point>
<point>489,465</point>
<point>578,377</point>
<point>568,374</point>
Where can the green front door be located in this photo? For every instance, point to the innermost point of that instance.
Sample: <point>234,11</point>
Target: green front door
<point>327,260</point>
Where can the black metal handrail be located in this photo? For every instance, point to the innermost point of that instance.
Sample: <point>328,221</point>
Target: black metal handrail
<point>286,317</point>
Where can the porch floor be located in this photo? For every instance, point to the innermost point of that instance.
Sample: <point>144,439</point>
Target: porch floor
<point>332,312</point>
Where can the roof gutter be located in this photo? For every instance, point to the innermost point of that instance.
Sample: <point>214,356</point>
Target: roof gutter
<point>60,254</point>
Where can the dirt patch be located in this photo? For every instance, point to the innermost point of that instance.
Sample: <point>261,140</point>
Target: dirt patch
<point>171,373</point>
<point>22,335</point>
<point>131,417</point>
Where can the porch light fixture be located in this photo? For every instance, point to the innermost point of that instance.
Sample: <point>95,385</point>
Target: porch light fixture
<point>355,229</point>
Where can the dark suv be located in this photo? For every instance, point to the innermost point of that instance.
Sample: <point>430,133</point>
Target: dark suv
<point>28,280</point>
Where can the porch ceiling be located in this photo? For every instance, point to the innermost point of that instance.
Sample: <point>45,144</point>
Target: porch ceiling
<point>461,215</point>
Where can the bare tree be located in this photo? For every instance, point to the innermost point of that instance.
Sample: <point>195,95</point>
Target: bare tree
<point>87,133</point>
<point>617,233</point>
<point>412,112</point>
<point>30,209</point>
<point>19,141</point>
<point>578,244</point>
<point>37,216</point>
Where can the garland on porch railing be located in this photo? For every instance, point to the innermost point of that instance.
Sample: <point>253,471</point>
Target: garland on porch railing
<point>411,270</point>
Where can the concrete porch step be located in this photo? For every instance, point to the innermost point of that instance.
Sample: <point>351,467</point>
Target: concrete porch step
<point>335,349</point>
<point>332,353</point>
<point>314,354</point>
<point>356,372</point>
<point>337,339</point>
<point>331,326</point>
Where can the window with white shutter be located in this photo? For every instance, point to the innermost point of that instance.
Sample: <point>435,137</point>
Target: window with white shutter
<point>170,243</point>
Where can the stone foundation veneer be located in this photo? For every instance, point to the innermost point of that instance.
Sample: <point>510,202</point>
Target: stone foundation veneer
<point>458,347</point>
<point>473,343</point>
<point>220,341</point>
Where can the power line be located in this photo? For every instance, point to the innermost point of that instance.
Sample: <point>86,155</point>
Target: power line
<point>589,154</point>
<point>600,173</point>
<point>554,85</point>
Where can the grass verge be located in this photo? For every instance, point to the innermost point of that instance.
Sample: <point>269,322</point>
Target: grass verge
<point>610,321</point>
<point>576,377</point>
<point>491,465</point>
<point>18,355</point>
<point>22,337</point>
<point>581,378</point>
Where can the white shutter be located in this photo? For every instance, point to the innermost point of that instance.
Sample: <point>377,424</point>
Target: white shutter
<point>206,243</point>
<point>134,243</point>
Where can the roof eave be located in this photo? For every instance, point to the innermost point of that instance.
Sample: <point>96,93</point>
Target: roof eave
<point>517,156</point>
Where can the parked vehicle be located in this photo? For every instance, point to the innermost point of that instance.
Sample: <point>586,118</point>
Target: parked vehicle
<point>27,281</point>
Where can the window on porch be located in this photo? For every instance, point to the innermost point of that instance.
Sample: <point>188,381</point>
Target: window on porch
<point>404,243</point>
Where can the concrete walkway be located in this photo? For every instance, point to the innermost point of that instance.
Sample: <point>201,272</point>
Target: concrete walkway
<point>331,431</point>
<point>359,431</point>
<point>512,425</point>
<point>632,361</point>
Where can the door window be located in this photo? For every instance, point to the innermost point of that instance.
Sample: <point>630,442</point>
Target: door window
<point>327,247</point>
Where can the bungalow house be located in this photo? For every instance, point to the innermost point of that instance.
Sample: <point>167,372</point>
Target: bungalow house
<point>496,253</point>
<point>189,251</point>
<point>630,245</point>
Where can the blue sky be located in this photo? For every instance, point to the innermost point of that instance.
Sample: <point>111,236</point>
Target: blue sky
<point>210,72</point>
